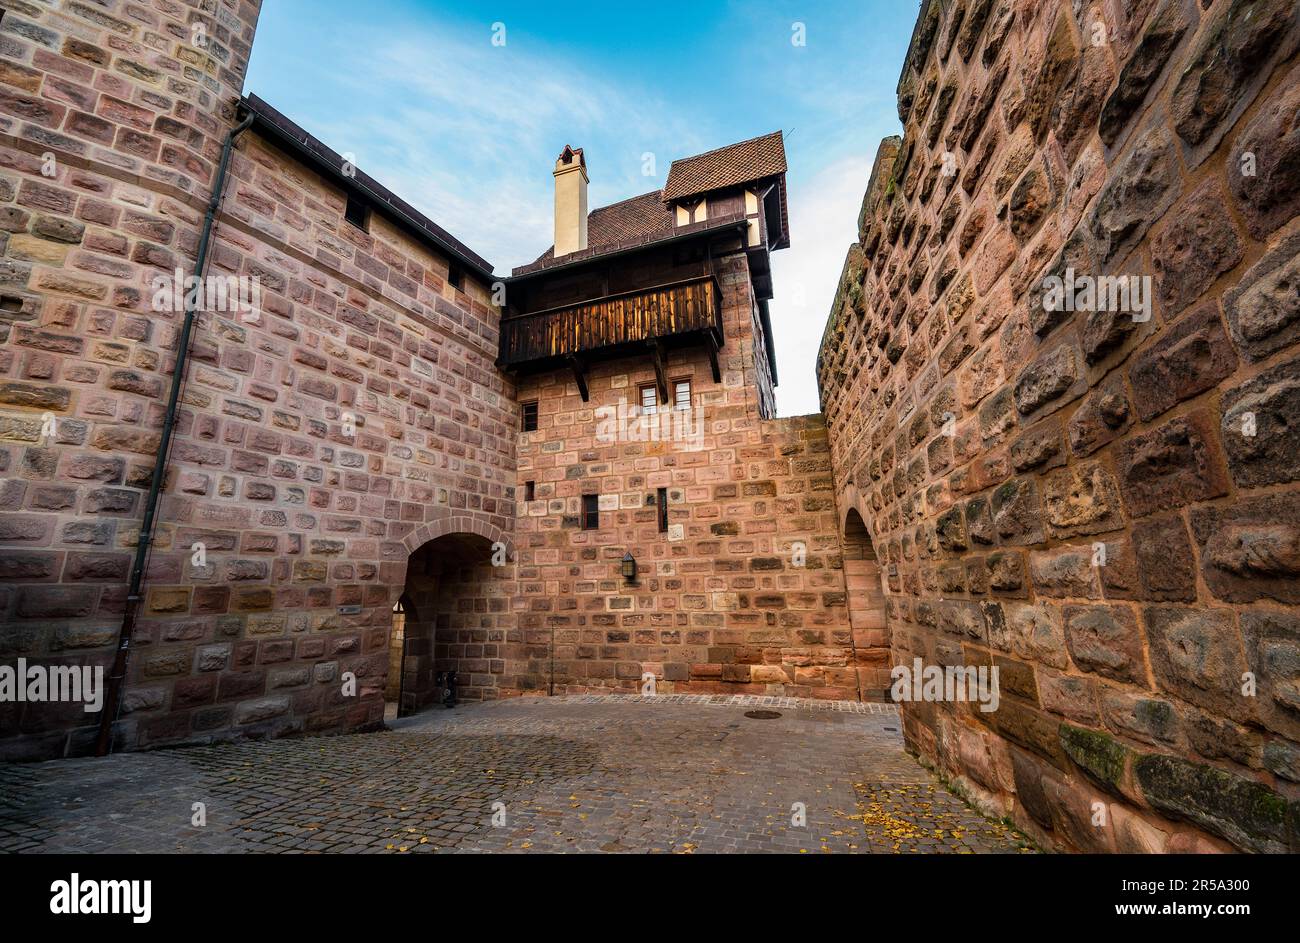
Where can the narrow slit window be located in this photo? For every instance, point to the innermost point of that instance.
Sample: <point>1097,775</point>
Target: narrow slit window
<point>530,416</point>
<point>530,491</point>
<point>357,213</point>
<point>649,400</point>
<point>591,512</point>
<point>453,275</point>
<point>663,510</point>
<point>682,394</point>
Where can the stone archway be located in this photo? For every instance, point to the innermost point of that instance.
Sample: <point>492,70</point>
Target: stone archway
<point>866,600</point>
<point>458,586</point>
<point>447,522</point>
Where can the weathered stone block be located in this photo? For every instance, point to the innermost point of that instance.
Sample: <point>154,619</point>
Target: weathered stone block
<point>951,530</point>
<point>979,522</point>
<point>1199,243</point>
<point>1036,633</point>
<point>1147,61</point>
<point>1058,63</point>
<point>1104,414</point>
<point>1102,758</point>
<point>1246,813</point>
<point>1196,656</point>
<point>1017,514</point>
<point>1140,716</point>
<point>1040,447</point>
<point>1047,379</point>
<point>1233,48</point>
<point>1272,642</point>
<point>996,416</point>
<point>1165,563</point>
<point>1260,433</point>
<point>1172,465</point>
<point>1251,550</point>
<point>1190,357</point>
<point>1262,172</point>
<point>1141,187</point>
<point>1106,640</point>
<point>1263,308</point>
<point>1065,572</point>
<point>1082,499</point>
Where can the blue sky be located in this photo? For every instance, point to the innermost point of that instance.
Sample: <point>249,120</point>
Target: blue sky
<point>468,131</point>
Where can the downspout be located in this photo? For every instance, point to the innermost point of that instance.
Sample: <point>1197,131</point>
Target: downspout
<point>117,677</point>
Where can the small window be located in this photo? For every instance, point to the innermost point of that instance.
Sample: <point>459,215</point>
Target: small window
<point>663,510</point>
<point>357,213</point>
<point>453,274</point>
<point>649,400</point>
<point>530,416</point>
<point>682,394</point>
<point>530,491</point>
<point>591,512</point>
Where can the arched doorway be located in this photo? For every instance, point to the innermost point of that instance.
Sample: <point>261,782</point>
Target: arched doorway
<point>866,598</point>
<point>455,616</point>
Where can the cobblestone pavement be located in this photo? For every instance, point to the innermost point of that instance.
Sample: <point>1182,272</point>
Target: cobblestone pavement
<point>670,774</point>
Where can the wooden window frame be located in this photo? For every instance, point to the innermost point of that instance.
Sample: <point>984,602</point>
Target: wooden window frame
<point>524,414</point>
<point>357,213</point>
<point>675,384</point>
<point>590,519</point>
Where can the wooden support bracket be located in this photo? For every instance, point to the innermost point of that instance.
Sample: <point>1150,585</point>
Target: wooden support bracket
<point>579,374</point>
<point>712,342</point>
<point>661,375</point>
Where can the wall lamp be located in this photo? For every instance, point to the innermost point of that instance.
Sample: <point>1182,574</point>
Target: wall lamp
<point>628,567</point>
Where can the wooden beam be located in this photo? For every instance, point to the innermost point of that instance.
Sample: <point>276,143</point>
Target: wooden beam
<point>657,351</point>
<point>579,374</point>
<point>712,343</point>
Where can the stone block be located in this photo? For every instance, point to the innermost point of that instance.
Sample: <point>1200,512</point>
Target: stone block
<point>1188,358</point>
<point>1260,433</point>
<point>1196,656</point>
<point>1249,549</point>
<point>1175,464</point>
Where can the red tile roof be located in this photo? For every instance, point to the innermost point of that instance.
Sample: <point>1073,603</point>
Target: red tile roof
<point>646,218</point>
<point>630,219</point>
<point>726,167</point>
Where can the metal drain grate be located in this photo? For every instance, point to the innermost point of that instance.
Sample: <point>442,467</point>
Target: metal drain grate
<point>762,715</point>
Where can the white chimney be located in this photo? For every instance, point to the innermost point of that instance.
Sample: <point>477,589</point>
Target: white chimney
<point>570,202</point>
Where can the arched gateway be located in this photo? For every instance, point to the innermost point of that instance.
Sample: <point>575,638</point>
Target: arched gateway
<point>454,614</point>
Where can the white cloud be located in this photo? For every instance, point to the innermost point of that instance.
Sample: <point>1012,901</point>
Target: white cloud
<point>823,222</point>
<point>468,133</point>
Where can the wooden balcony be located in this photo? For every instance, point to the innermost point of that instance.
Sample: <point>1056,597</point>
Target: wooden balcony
<point>648,319</point>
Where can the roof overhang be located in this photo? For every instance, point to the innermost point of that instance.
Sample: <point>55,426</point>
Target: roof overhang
<point>694,231</point>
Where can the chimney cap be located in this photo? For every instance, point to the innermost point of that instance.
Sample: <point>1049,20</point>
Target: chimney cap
<point>567,155</point>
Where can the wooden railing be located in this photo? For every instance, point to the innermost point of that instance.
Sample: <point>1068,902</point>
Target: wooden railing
<point>693,305</point>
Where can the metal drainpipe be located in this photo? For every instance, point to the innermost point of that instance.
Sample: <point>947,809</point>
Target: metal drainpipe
<point>117,677</point>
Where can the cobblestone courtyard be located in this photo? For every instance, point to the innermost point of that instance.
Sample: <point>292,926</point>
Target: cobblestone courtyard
<point>584,774</point>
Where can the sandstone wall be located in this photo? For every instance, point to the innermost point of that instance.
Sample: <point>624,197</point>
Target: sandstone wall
<point>721,604</point>
<point>306,525</point>
<point>1103,506</point>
